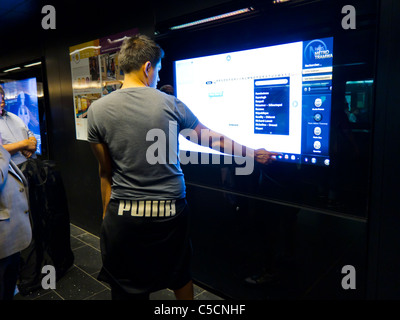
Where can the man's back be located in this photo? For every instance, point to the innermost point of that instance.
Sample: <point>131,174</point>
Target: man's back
<point>130,121</point>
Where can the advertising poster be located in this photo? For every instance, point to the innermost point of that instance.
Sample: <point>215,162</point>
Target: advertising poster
<point>95,73</point>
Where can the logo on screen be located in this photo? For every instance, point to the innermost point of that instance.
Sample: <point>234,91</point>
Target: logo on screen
<point>316,51</point>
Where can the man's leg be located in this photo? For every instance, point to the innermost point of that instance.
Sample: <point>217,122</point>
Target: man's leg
<point>185,293</point>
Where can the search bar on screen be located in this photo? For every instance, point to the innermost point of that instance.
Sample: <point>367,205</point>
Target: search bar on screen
<point>271,82</point>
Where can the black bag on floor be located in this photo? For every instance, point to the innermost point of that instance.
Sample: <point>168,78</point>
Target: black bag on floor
<point>50,243</point>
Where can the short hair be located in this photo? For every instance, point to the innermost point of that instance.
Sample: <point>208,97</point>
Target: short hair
<point>136,51</point>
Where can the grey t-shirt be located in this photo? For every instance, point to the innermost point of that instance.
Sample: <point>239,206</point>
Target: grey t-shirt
<point>124,120</point>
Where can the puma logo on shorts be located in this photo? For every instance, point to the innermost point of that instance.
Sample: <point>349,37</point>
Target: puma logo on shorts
<point>147,208</point>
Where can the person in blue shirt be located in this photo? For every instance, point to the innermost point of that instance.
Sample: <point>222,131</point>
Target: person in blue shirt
<point>15,225</point>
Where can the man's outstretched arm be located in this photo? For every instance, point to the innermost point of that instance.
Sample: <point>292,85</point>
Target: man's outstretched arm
<point>222,143</point>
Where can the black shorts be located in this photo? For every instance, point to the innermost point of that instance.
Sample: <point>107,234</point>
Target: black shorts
<point>145,245</point>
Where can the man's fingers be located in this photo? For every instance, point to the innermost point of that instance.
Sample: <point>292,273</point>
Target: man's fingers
<point>264,157</point>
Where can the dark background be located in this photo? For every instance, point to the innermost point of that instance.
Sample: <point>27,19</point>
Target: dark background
<point>235,218</point>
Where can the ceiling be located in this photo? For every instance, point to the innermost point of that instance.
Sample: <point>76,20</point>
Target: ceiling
<point>14,13</point>
<point>23,17</point>
<point>17,13</point>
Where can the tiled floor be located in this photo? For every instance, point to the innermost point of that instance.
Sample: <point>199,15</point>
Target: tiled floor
<point>80,282</point>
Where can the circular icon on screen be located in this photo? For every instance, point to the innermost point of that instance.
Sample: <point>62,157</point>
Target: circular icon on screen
<point>318,102</point>
<point>317,131</point>
<point>318,117</point>
<point>317,145</point>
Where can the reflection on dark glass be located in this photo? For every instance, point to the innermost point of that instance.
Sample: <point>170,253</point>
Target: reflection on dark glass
<point>252,249</point>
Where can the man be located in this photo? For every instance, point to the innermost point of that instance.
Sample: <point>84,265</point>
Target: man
<point>144,237</point>
<point>15,226</point>
<point>18,140</point>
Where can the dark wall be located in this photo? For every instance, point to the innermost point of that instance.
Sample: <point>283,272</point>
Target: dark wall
<point>384,240</point>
